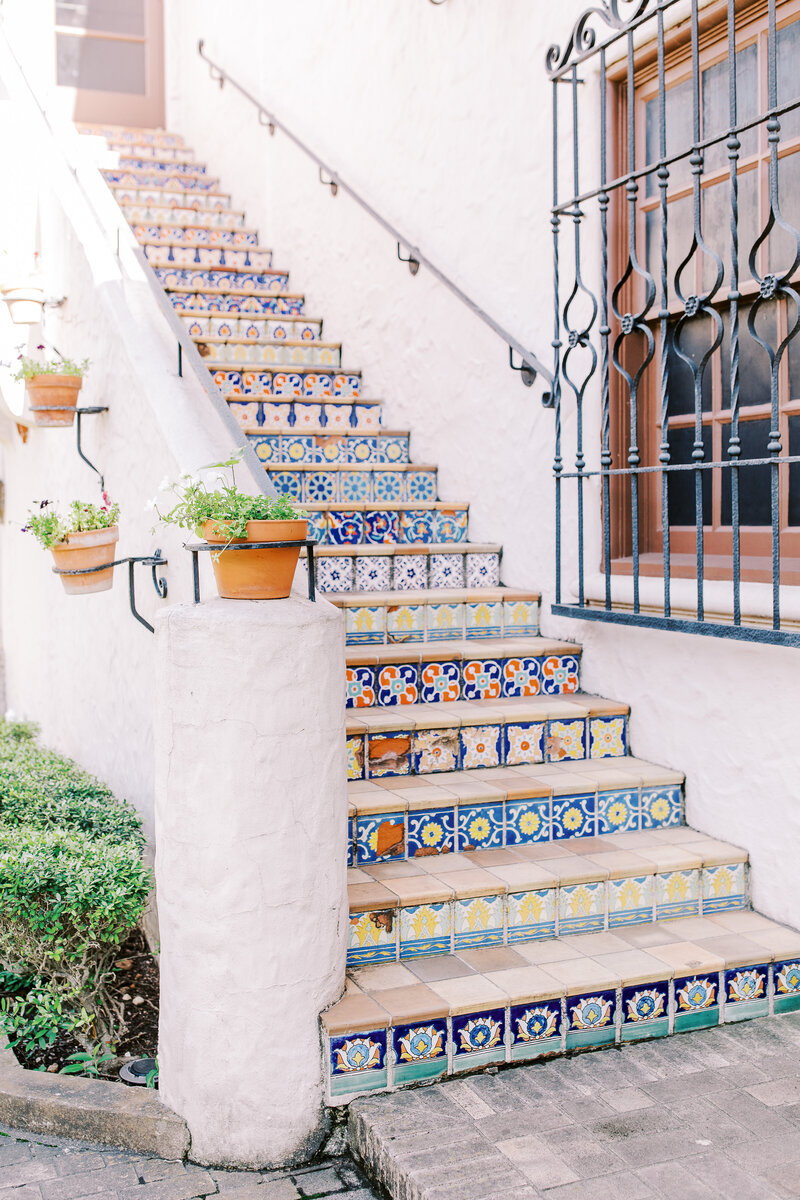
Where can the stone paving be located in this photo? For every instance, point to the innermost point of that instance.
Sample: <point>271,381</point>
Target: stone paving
<point>715,1113</point>
<point>39,1167</point>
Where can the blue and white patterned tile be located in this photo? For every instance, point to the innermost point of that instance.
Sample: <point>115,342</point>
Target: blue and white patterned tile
<point>480,827</point>
<point>397,683</point>
<point>373,573</point>
<point>535,1029</point>
<point>334,574</point>
<point>345,527</point>
<point>630,901</point>
<point>581,908</point>
<point>404,622</point>
<point>380,837</point>
<point>388,754</point>
<point>388,486</point>
<point>440,681</point>
<point>360,686</point>
<point>608,737</point>
<point>416,526</point>
<point>531,915</point>
<point>421,485</point>
<point>524,743</point>
<point>661,807</point>
<point>410,572</point>
<point>372,938</point>
<point>361,450</point>
<point>574,816</point>
<point>445,622</point>
<point>483,618</point>
<point>566,740</point>
<point>527,821</point>
<point>786,982</point>
<point>617,811</point>
<point>431,831</point>
<point>521,677</point>
<point>420,1051</point>
<point>746,992</point>
<point>354,486</point>
<point>436,750</point>
<point>591,1019</point>
<point>482,679</point>
<point>478,921</point>
<point>446,571</point>
<point>696,1001</point>
<point>480,746</point>
<point>724,887</point>
<point>645,1011</point>
<point>425,929</point>
<point>677,894</point>
<point>358,1063</point>
<point>393,449</point>
<point>380,526</point>
<point>479,1039</point>
<point>482,570</point>
<point>319,487</point>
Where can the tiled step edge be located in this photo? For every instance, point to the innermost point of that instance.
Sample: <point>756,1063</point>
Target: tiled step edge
<point>496,898</point>
<point>442,672</point>
<point>580,992</point>
<point>429,739</point>
<point>527,810</point>
<point>393,618</point>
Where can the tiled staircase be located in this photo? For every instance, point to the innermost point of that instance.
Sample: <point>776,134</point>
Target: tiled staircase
<point>520,884</point>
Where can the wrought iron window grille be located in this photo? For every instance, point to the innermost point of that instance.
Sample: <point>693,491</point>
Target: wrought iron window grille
<point>211,547</point>
<point>155,561</point>
<point>637,323</point>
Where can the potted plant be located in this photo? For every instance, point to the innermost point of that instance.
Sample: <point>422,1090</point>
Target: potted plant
<point>84,538</point>
<point>54,383</point>
<point>25,302</point>
<point>229,518</point>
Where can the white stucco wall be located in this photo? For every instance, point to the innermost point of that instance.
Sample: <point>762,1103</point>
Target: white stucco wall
<point>441,117</point>
<point>82,667</point>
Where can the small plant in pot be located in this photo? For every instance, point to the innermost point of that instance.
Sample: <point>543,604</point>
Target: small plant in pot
<point>85,538</point>
<point>52,383</point>
<point>228,517</point>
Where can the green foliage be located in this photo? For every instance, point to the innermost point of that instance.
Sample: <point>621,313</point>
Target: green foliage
<point>72,887</point>
<point>196,504</point>
<point>86,1062</point>
<point>50,528</point>
<point>31,367</point>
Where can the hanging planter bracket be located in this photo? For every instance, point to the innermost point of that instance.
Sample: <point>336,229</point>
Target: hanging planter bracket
<point>79,412</point>
<point>198,547</point>
<point>154,561</point>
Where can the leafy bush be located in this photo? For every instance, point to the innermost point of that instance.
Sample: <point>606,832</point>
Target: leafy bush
<point>50,528</point>
<point>72,887</point>
<point>226,504</point>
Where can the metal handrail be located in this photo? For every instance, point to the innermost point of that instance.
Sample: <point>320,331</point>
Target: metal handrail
<point>530,365</point>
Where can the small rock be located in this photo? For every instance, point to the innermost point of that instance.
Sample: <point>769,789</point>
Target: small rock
<point>138,1000</point>
<point>126,996</point>
<point>490,1071</point>
<point>53,1068</point>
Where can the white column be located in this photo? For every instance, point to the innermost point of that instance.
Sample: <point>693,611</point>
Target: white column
<point>251,818</point>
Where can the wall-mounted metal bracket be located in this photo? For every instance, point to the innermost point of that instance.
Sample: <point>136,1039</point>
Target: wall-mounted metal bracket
<point>332,182</point>
<point>199,547</point>
<point>413,263</point>
<point>265,119</point>
<point>79,412</point>
<point>154,561</point>
<point>526,372</point>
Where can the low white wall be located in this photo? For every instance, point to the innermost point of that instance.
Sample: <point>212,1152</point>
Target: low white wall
<point>440,115</point>
<point>250,806</point>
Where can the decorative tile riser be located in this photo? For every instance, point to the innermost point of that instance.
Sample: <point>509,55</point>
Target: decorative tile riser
<point>387,685</point>
<point>406,572</point>
<point>255,415</point>
<point>287,383</point>
<point>329,448</point>
<point>180,216</point>
<point>202,235</point>
<point>138,178</point>
<point>509,743</point>
<point>123,136</point>
<point>374,1060</point>
<point>407,527</point>
<point>356,486</point>
<point>141,204</point>
<point>167,158</point>
<point>210,256</point>
<point>521,821</point>
<point>221,302</point>
<point>256,281</point>
<point>393,935</point>
<point>258,353</point>
<point>256,328</point>
<point>399,623</point>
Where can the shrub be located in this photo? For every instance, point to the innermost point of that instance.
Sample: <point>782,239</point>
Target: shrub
<point>72,887</point>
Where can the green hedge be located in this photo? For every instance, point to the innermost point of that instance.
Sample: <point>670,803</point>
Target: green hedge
<point>72,887</point>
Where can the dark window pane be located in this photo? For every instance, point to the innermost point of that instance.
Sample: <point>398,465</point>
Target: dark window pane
<point>694,339</point>
<point>754,373</point>
<point>782,243</point>
<point>682,483</point>
<point>716,105</point>
<point>108,16</point>
<point>100,65</point>
<point>754,482</point>
<point>678,121</point>
<point>794,472</point>
<point>788,77</point>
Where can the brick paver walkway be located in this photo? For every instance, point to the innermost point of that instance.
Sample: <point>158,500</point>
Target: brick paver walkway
<point>38,1167</point>
<point>707,1114</point>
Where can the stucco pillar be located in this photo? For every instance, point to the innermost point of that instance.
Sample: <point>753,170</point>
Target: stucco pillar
<point>251,813</point>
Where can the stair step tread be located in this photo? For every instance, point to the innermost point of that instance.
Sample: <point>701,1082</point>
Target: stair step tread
<point>383,548</point>
<point>396,793</point>
<point>383,505</point>
<point>178,244</point>
<point>497,872</point>
<point>202,314</point>
<point>210,290</point>
<point>135,132</point>
<point>160,192</point>
<point>198,269</point>
<point>454,713</point>
<point>528,645</point>
<point>276,343</point>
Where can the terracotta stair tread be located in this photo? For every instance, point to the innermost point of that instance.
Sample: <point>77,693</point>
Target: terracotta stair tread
<point>325,431</point>
<point>213,314</point>
<point>532,645</point>
<point>356,599</point>
<point>384,505</point>
<point>344,468</point>
<point>177,244</point>
<point>455,713</point>
<point>209,290</point>
<point>276,343</point>
<point>170,194</point>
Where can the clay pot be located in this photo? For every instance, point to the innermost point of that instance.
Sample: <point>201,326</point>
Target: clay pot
<point>256,574</point>
<point>83,550</point>
<point>24,304</point>
<point>47,390</point>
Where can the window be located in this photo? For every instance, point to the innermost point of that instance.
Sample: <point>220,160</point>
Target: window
<point>692,338</point>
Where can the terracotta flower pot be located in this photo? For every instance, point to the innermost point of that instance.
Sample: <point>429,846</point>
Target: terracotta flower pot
<point>256,574</point>
<point>24,304</point>
<point>49,390</point>
<point>83,550</point>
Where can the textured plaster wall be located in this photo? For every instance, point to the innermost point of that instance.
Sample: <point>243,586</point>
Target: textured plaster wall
<point>250,863</point>
<point>441,117</point>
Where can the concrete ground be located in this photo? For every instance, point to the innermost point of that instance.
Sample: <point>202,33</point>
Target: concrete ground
<point>38,1167</point>
<point>715,1113</point>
